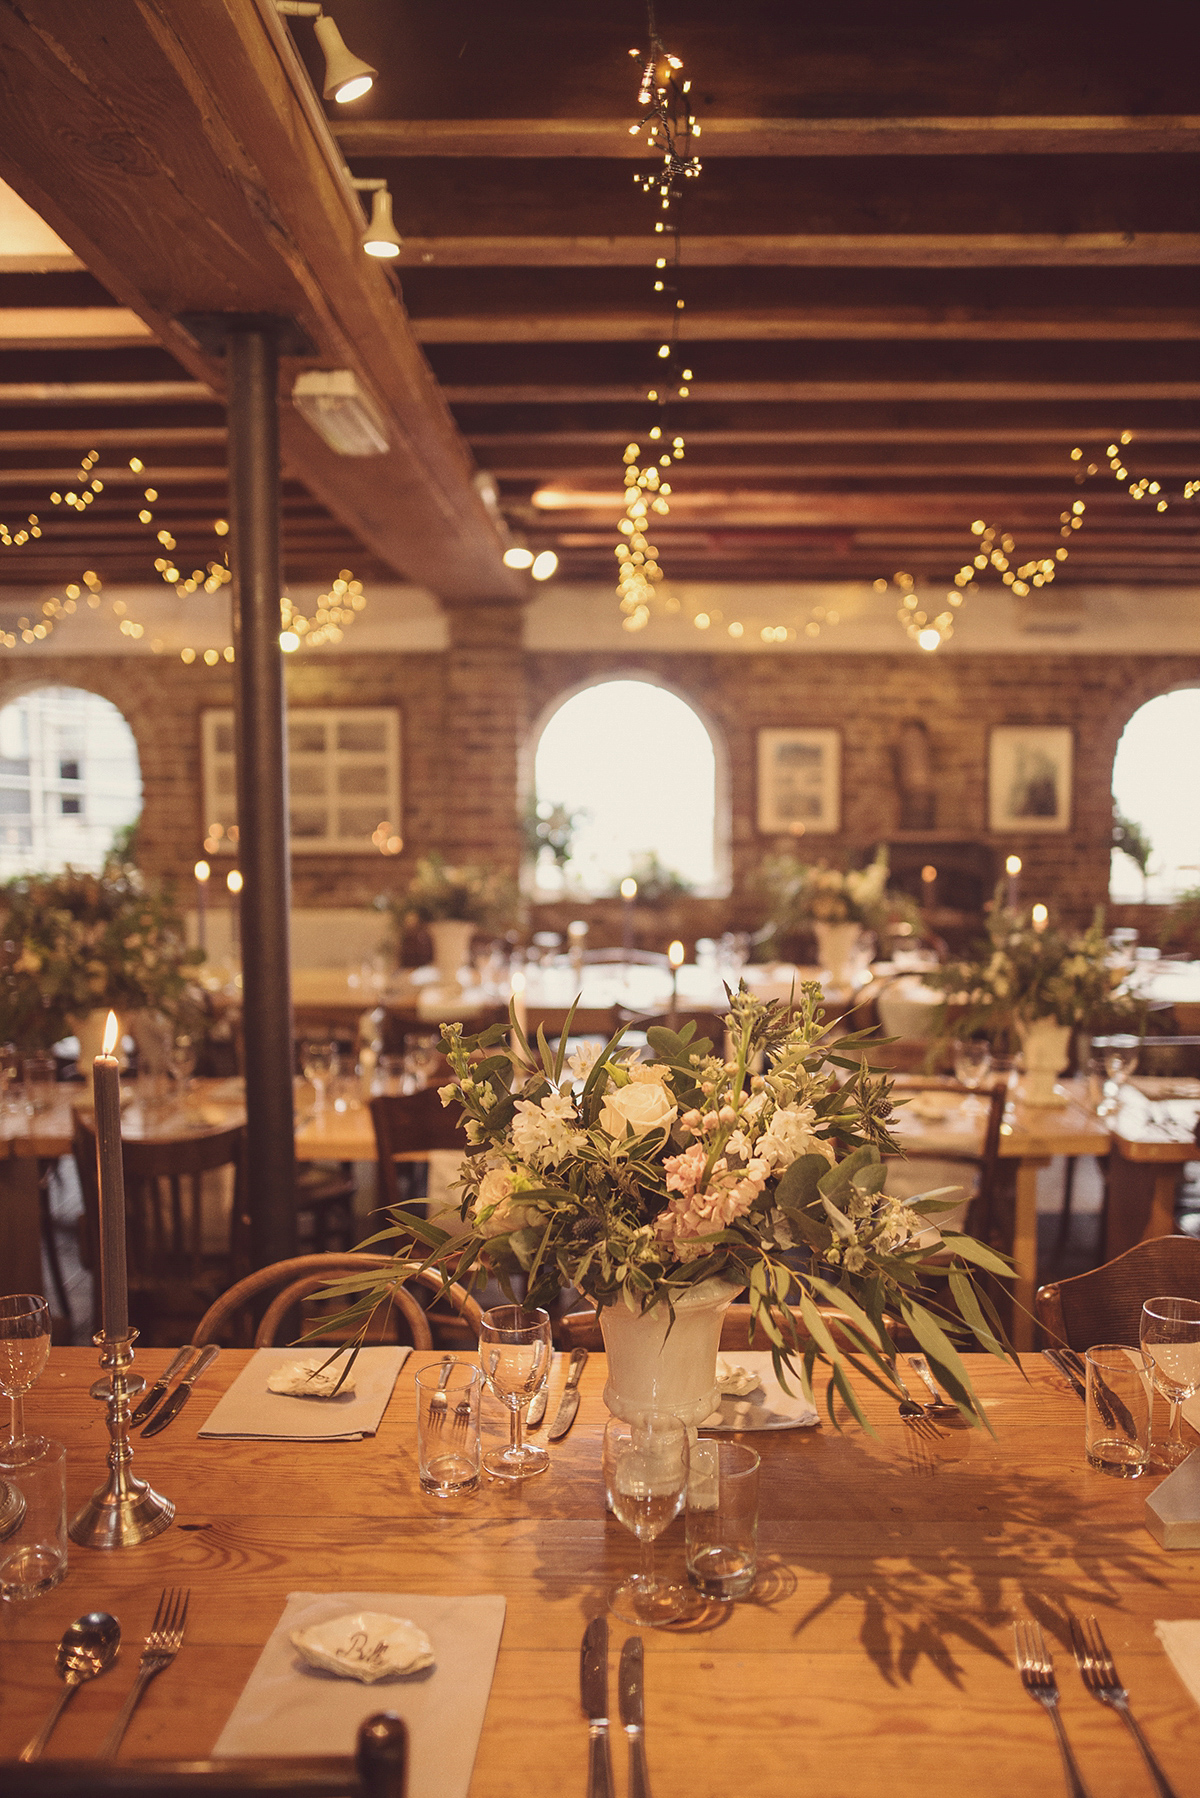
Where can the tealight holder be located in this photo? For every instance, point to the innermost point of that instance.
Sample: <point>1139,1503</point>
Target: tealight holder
<point>124,1510</point>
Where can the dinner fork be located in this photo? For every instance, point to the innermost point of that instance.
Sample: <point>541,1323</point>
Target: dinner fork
<point>162,1645</point>
<point>1099,1675</point>
<point>437,1400</point>
<point>1037,1676</point>
<point>915,1415</point>
<point>460,1422</point>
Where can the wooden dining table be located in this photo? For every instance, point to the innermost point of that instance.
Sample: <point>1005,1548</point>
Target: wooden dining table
<point>874,1655</point>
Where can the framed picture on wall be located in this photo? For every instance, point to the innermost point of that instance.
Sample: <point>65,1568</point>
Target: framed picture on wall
<point>343,778</point>
<point>1029,778</point>
<point>799,781</point>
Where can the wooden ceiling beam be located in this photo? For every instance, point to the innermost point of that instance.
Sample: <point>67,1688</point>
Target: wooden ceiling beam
<point>115,437</point>
<point>996,391</point>
<point>865,249</point>
<point>71,328</point>
<point>1062,135</point>
<point>105,393</point>
<point>985,432</point>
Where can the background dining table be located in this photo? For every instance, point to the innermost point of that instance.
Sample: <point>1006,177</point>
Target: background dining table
<point>874,1655</point>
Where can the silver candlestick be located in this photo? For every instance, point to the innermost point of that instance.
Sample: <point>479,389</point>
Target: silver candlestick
<point>124,1510</point>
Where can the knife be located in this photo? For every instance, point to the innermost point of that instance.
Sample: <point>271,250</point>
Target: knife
<point>182,1393</point>
<point>568,1404</point>
<point>593,1693</point>
<point>1067,1371</point>
<point>633,1716</point>
<point>1112,1406</point>
<point>158,1391</point>
<point>537,1405</point>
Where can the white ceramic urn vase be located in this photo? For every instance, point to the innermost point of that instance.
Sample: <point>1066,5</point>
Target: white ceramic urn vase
<point>654,1365</point>
<point>1045,1044</point>
<point>451,950</point>
<point>842,949</point>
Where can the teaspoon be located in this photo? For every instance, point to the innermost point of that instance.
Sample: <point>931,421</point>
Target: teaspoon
<point>88,1647</point>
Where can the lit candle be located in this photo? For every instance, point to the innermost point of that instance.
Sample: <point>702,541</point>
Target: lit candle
<point>628,895</point>
<point>1012,868</point>
<point>1039,917</point>
<point>675,954</point>
<point>929,882</point>
<point>233,880</point>
<point>106,1078</point>
<point>202,872</point>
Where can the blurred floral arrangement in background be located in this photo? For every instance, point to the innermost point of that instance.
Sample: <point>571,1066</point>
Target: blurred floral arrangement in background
<point>796,895</point>
<point>438,889</point>
<point>657,885</point>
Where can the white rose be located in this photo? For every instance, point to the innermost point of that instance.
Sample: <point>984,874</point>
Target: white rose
<point>644,1105</point>
<point>494,1212</point>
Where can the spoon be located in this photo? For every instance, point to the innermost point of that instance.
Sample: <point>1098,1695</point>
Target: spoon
<point>88,1647</point>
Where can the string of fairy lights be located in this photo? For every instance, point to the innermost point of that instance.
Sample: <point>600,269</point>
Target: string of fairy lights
<point>669,127</point>
<point>333,612</point>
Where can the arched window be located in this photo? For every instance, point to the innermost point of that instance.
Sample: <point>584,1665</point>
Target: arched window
<point>637,766</point>
<point>69,780</point>
<point>1156,785</point>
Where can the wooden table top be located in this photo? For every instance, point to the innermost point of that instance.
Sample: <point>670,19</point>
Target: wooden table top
<point>874,1656</point>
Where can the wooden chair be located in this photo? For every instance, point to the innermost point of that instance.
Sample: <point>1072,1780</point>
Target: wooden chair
<point>407,1126</point>
<point>377,1769</point>
<point>1105,1304</point>
<point>296,1279</point>
<point>180,1252</point>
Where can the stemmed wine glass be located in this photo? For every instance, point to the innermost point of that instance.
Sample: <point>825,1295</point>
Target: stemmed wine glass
<point>1118,1056</point>
<point>181,1060</point>
<point>514,1353</point>
<point>24,1347</point>
<point>646,1480</point>
<point>1170,1338</point>
<point>972,1065</point>
<point>320,1065</point>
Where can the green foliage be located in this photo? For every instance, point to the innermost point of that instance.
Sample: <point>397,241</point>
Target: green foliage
<point>657,884</point>
<point>551,826</point>
<point>1180,929</point>
<point>1131,840</point>
<point>796,895</point>
<point>438,890</point>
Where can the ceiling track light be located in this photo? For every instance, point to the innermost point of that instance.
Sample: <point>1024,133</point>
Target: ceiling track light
<point>347,77</point>
<point>381,238</point>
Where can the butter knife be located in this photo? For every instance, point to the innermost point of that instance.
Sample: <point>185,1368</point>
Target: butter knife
<point>1112,1406</point>
<point>182,1393</point>
<point>568,1404</point>
<point>593,1693</point>
<point>1066,1370</point>
<point>537,1405</point>
<point>633,1716</point>
<point>158,1391</point>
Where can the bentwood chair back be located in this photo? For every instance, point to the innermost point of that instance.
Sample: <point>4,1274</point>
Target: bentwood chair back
<point>409,1125</point>
<point>1105,1304</point>
<point>377,1769</point>
<point>229,1318</point>
<point>185,1237</point>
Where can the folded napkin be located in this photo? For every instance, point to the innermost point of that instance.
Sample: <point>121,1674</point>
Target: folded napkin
<point>249,1410</point>
<point>288,1707</point>
<point>768,1406</point>
<point>1182,1643</point>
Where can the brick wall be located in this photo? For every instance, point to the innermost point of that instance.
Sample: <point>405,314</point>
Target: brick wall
<point>465,715</point>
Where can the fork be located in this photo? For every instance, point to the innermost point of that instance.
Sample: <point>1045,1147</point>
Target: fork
<point>1037,1676</point>
<point>920,1367</point>
<point>1099,1675</point>
<point>915,1415</point>
<point>437,1400</point>
<point>162,1645</point>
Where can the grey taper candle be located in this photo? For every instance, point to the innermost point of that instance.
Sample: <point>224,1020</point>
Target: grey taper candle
<point>114,1293</point>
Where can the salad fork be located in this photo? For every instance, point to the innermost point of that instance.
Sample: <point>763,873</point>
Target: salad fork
<point>1037,1676</point>
<point>162,1645</point>
<point>1099,1675</point>
<point>437,1400</point>
<point>915,1416</point>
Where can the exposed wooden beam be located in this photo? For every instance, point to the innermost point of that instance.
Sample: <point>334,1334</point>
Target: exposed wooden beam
<point>210,475</point>
<point>1034,249</point>
<point>71,328</point>
<point>974,392</point>
<point>106,437</point>
<point>105,393</point>
<point>1068,432</point>
<point>575,137</point>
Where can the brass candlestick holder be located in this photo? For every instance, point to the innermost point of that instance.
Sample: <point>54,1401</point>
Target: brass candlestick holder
<point>124,1510</point>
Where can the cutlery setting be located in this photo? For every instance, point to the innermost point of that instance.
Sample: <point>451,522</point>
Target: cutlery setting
<point>179,1398</point>
<point>162,1645</point>
<point>593,1689</point>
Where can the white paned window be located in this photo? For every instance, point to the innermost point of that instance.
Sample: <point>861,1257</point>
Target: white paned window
<point>343,779</point>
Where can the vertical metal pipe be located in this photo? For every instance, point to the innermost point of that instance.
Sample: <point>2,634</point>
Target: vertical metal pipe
<point>263,851</point>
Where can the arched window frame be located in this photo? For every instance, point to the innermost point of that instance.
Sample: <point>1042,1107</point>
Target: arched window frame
<point>46,680</point>
<point>1183,686</point>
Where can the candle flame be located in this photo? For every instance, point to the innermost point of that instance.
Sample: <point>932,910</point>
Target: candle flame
<point>111,1031</point>
<point>675,954</point>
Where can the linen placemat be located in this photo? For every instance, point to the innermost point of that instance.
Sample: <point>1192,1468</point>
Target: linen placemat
<point>769,1407</point>
<point>287,1707</point>
<point>248,1410</point>
<point>1182,1643</point>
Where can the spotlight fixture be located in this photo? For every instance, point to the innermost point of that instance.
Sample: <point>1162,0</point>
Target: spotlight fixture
<point>544,565</point>
<point>347,77</point>
<point>333,403</point>
<point>381,237</point>
<point>518,557</point>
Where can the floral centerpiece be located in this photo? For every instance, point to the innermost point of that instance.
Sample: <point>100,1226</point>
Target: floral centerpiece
<point>840,905</point>
<point>452,902</point>
<point>73,943</point>
<point>654,1186</point>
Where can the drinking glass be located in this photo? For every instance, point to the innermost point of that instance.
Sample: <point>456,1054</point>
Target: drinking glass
<point>514,1354</point>
<point>10,1073</point>
<point>1117,1418</point>
<point>448,1456</point>
<point>41,1078</point>
<point>422,1055</point>
<point>722,1518</point>
<point>1170,1338</point>
<point>972,1065</point>
<point>646,1482</point>
<point>1118,1056</point>
<point>182,1061</point>
<point>33,1552</point>
<point>320,1063</point>
<point>24,1347</point>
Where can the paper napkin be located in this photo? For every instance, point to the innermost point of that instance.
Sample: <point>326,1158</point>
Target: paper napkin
<point>249,1410</point>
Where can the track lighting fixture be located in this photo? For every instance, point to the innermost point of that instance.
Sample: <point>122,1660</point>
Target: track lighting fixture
<point>381,237</point>
<point>347,77</point>
<point>544,565</point>
<point>518,557</point>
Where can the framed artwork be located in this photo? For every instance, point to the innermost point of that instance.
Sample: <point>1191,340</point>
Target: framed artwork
<point>1029,777</point>
<point>343,777</point>
<point>799,781</point>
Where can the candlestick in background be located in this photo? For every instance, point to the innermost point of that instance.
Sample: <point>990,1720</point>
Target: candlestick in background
<point>929,882</point>
<point>675,954</point>
<point>233,880</point>
<point>628,895</point>
<point>202,872</point>
<point>1039,917</point>
<point>106,1077</point>
<point>1012,868</point>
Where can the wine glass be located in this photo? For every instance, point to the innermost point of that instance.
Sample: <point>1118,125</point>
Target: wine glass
<point>24,1346</point>
<point>645,1480</point>
<point>514,1353</point>
<point>320,1063</point>
<point>1118,1056</point>
<point>1170,1338</point>
<point>181,1061</point>
<point>972,1065</point>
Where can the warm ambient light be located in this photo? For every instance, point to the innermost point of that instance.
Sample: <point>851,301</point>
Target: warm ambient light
<point>518,557</point>
<point>202,872</point>
<point>338,408</point>
<point>675,953</point>
<point>929,638</point>
<point>544,565</point>
<point>347,77</point>
<point>381,237</point>
<point>289,642</point>
<point>1013,865</point>
<point>233,880</point>
<point>629,887</point>
<point>110,1033</point>
<point>929,874</point>
<point>1039,917</point>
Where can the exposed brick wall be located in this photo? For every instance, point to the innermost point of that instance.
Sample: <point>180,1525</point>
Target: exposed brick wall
<point>465,714</point>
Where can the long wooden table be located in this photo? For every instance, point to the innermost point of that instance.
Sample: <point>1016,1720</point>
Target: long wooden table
<point>875,1655</point>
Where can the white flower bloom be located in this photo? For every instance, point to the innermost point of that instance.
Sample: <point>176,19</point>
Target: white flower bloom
<point>647,1073</point>
<point>790,1135</point>
<point>581,1061</point>
<point>645,1105</point>
<point>496,1211</point>
<point>542,1134</point>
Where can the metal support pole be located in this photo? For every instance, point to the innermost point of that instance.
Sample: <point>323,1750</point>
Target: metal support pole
<point>252,363</point>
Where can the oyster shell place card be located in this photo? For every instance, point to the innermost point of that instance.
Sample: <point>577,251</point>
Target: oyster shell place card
<point>255,1408</point>
<point>289,1706</point>
<point>365,1645</point>
<point>316,1376</point>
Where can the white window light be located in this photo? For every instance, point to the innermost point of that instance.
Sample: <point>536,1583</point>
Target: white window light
<point>347,77</point>
<point>333,403</point>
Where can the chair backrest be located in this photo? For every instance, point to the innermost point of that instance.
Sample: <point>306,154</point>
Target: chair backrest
<point>1105,1304</point>
<point>411,1124</point>
<point>296,1279</point>
<point>377,1769</point>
